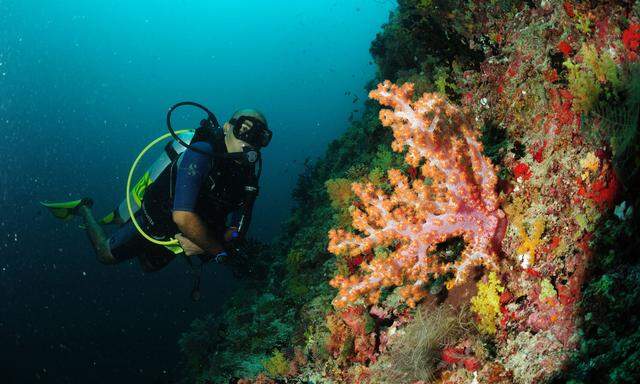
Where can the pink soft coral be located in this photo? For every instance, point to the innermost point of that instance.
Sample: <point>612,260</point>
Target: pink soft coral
<point>458,199</point>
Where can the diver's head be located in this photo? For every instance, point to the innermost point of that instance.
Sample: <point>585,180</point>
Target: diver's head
<point>247,127</point>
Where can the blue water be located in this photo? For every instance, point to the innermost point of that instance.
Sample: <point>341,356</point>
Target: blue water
<point>84,85</point>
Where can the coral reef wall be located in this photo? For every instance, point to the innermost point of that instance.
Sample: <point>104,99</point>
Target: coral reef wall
<point>478,227</point>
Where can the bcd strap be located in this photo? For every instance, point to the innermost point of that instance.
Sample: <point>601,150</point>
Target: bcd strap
<point>171,151</point>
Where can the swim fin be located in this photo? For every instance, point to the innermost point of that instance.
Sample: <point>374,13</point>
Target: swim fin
<point>65,210</point>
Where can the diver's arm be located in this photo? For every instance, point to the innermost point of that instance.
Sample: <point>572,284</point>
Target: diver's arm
<point>192,170</point>
<point>195,229</point>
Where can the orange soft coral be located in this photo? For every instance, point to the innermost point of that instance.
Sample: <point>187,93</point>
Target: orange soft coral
<point>457,199</point>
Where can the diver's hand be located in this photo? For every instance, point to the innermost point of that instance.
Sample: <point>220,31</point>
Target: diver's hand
<point>188,246</point>
<point>231,234</point>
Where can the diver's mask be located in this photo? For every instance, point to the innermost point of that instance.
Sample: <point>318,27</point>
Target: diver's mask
<point>258,136</point>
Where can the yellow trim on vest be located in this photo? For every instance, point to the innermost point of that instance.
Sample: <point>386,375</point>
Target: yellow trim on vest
<point>141,187</point>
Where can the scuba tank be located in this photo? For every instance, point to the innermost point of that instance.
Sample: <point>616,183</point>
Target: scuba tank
<point>171,151</point>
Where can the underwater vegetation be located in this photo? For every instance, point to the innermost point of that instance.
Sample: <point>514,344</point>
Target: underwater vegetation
<point>481,228</point>
<point>449,193</point>
<point>422,345</point>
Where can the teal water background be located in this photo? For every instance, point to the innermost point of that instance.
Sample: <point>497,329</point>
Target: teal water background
<point>84,85</point>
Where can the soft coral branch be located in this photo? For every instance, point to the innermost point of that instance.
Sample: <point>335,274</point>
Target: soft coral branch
<point>459,199</point>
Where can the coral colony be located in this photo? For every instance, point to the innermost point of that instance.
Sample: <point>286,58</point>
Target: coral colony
<point>481,226</point>
<point>454,196</point>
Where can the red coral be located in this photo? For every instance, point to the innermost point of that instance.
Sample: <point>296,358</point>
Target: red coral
<point>364,343</point>
<point>452,355</point>
<point>548,249</point>
<point>349,334</point>
<point>299,360</point>
<point>631,40</point>
<point>565,48</point>
<point>495,373</point>
<point>533,273</point>
<point>568,7</point>
<point>561,102</point>
<point>551,75</point>
<point>506,297</point>
<point>471,364</point>
<point>603,191</point>
<point>521,170</point>
<point>260,379</point>
<point>537,152</point>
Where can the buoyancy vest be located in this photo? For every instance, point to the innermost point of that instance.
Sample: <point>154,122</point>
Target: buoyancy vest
<point>222,192</point>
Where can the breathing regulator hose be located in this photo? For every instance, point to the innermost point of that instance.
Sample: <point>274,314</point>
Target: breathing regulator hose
<point>210,121</point>
<point>131,171</point>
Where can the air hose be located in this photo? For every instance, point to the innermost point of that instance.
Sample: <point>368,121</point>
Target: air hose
<point>131,171</point>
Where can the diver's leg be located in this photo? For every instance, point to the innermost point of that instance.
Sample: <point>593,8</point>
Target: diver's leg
<point>98,238</point>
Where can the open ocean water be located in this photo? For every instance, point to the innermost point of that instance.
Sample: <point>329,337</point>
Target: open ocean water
<point>84,86</point>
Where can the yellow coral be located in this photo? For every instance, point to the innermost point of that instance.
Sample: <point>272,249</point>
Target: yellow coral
<point>527,250</point>
<point>486,303</point>
<point>277,365</point>
<point>589,164</point>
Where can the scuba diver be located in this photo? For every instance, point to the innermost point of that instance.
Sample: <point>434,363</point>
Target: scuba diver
<point>195,199</point>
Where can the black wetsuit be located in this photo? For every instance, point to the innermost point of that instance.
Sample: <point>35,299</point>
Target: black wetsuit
<point>214,188</point>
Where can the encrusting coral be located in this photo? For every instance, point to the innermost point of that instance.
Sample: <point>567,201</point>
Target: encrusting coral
<point>455,196</point>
